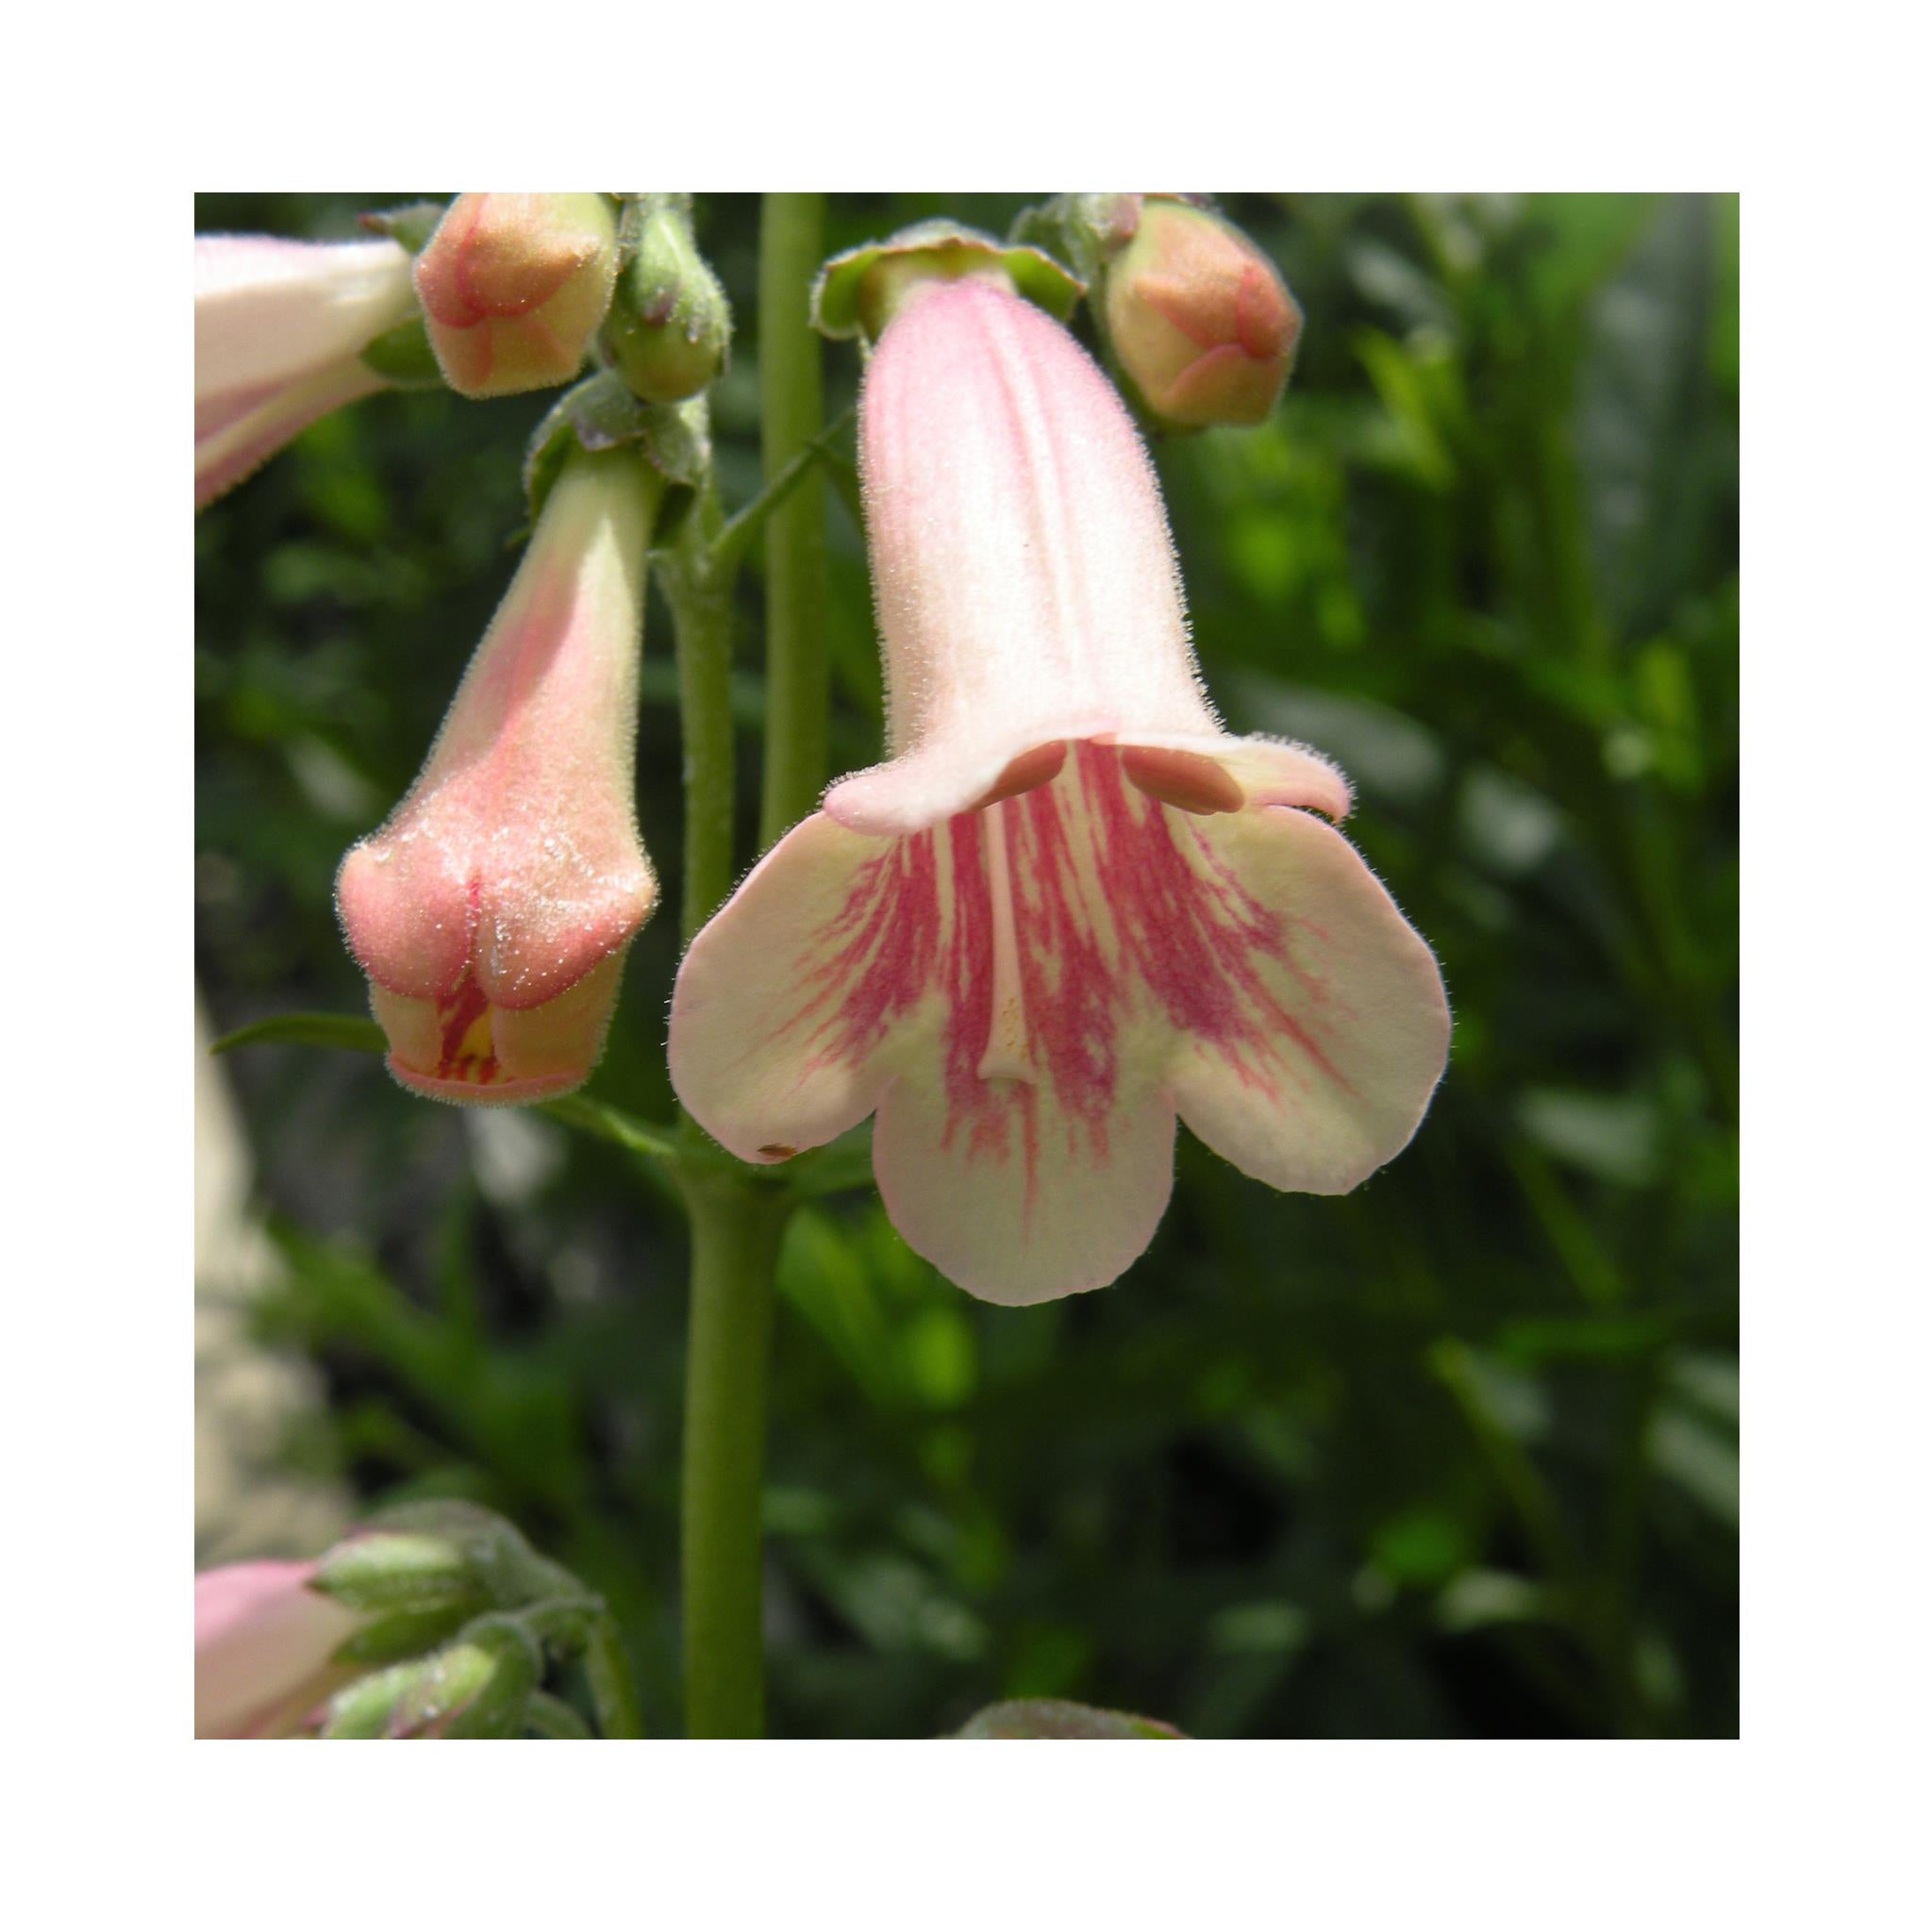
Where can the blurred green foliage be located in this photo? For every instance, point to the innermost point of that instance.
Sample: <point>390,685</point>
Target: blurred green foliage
<point>1455,1454</point>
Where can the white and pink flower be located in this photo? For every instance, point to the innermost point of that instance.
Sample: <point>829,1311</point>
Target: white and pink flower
<point>279,330</point>
<point>492,910</point>
<point>1068,907</point>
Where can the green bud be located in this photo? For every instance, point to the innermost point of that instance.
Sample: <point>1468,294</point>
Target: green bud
<point>669,331</point>
<point>396,1634</point>
<point>398,1570</point>
<point>479,1685</point>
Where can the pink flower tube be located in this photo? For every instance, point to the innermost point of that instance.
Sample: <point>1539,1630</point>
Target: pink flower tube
<point>263,1642</point>
<point>279,328</point>
<point>1068,907</point>
<point>492,910</point>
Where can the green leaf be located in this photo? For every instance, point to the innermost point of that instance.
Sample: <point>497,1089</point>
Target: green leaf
<point>607,1123</point>
<point>346,1031</point>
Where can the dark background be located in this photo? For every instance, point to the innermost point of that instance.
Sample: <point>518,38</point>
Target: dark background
<point>1456,1455</point>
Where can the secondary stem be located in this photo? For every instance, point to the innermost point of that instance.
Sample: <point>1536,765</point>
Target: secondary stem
<point>791,245</point>
<point>699,593</point>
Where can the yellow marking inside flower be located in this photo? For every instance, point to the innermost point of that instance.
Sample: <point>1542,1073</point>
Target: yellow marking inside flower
<point>475,1045</point>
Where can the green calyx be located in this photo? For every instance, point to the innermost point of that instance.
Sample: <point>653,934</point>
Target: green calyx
<point>403,357</point>
<point>602,413</point>
<point>411,225</point>
<point>858,293</point>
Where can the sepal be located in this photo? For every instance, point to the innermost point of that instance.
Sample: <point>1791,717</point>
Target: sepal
<point>412,223</point>
<point>403,357</point>
<point>601,414</point>
<point>858,293</point>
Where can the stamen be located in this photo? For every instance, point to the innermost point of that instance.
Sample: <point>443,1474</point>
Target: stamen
<point>1040,766</point>
<point>1183,779</point>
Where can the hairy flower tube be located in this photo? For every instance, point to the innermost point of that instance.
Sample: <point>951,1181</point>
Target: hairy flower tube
<point>1199,317</point>
<point>1068,907</point>
<point>264,1641</point>
<point>514,287</point>
<point>492,910</point>
<point>279,328</point>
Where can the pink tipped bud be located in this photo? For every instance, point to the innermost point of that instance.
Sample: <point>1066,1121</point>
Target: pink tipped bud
<point>514,287</point>
<point>492,910</point>
<point>1199,318</point>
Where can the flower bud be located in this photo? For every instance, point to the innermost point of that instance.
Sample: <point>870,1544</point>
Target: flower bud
<point>384,1569</point>
<point>263,1645</point>
<point>670,325</point>
<point>478,1686</point>
<point>514,287</point>
<point>1198,318</point>
<point>492,911</point>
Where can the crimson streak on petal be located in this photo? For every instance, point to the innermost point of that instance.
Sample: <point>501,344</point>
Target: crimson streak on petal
<point>1126,923</point>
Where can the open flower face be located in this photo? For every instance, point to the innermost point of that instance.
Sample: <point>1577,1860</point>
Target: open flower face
<point>492,910</point>
<point>279,328</point>
<point>1068,907</point>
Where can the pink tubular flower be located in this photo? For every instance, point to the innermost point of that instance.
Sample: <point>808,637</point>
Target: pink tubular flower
<point>1069,906</point>
<point>263,1642</point>
<point>514,287</point>
<point>492,910</point>
<point>279,328</point>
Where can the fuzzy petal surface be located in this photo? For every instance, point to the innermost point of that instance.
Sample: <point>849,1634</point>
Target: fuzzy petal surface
<point>515,856</point>
<point>267,311</point>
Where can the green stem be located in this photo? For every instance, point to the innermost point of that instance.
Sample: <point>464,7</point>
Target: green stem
<point>735,1223</point>
<point>735,1230</point>
<point>731,542</point>
<point>791,242</point>
<point>699,593</point>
